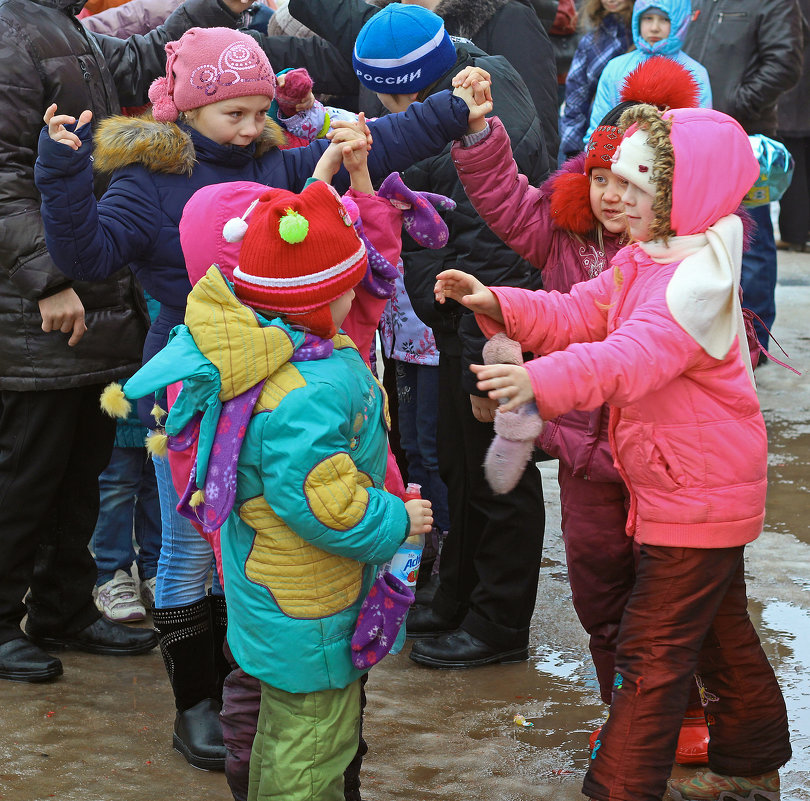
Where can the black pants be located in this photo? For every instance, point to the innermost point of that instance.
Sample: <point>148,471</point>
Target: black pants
<point>53,446</point>
<point>794,208</point>
<point>491,557</point>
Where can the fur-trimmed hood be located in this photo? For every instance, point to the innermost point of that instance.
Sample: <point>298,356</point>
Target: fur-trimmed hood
<point>462,17</point>
<point>159,146</point>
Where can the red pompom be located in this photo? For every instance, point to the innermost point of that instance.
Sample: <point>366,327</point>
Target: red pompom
<point>571,203</point>
<point>661,82</point>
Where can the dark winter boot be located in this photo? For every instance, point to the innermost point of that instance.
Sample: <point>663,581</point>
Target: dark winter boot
<point>186,642</point>
<point>219,628</point>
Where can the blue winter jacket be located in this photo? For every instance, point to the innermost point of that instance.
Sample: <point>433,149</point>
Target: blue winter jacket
<point>156,167</point>
<point>608,90</point>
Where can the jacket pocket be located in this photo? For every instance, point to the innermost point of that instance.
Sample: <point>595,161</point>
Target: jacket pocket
<point>648,459</point>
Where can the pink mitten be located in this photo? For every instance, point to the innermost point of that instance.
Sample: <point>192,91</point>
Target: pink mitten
<point>297,85</point>
<point>515,432</point>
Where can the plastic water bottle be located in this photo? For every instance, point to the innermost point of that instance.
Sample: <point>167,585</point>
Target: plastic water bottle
<point>406,561</point>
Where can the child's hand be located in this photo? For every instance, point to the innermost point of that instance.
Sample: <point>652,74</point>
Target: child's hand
<point>509,384</point>
<point>56,126</point>
<point>355,160</point>
<point>474,87</point>
<point>329,162</point>
<point>469,291</point>
<point>360,126</point>
<point>420,513</point>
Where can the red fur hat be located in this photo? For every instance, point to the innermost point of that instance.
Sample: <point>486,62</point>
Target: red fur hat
<point>659,81</point>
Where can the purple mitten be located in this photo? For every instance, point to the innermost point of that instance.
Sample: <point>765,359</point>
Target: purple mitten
<point>515,432</point>
<point>380,618</point>
<point>419,216</point>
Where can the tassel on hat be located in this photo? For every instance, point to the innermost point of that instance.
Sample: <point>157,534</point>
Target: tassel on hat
<point>114,402</point>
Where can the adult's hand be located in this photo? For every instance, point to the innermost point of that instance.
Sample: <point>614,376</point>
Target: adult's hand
<point>63,312</point>
<point>483,409</point>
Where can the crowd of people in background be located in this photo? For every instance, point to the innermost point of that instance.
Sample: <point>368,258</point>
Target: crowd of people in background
<point>255,258</point>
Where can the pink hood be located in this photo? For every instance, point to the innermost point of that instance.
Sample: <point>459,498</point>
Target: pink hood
<point>705,189</point>
<point>201,225</point>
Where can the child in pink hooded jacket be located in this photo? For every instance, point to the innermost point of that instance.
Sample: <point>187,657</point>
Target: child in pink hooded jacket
<point>571,228</point>
<point>660,337</point>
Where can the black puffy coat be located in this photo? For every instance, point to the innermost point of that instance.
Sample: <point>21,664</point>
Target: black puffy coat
<point>48,57</point>
<point>472,246</point>
<point>752,50</point>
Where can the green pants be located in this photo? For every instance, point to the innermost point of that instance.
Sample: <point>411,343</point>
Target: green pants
<point>304,742</point>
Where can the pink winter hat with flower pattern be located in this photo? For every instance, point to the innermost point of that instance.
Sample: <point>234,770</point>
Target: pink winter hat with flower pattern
<point>206,65</point>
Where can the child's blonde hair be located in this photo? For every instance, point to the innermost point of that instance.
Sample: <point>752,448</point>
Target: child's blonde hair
<point>593,13</point>
<point>648,118</point>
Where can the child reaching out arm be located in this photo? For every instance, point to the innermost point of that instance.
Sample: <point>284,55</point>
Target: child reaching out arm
<point>660,337</point>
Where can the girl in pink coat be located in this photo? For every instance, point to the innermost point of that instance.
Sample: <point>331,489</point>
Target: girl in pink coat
<point>660,337</point>
<point>571,228</point>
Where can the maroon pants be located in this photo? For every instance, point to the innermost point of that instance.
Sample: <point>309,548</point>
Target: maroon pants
<point>687,614</point>
<point>601,563</point>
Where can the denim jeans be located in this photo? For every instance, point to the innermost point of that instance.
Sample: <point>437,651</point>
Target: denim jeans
<point>418,411</point>
<point>759,273</point>
<point>128,497</point>
<point>186,559</point>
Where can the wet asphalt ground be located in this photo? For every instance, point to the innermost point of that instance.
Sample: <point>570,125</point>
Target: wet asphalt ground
<point>102,732</point>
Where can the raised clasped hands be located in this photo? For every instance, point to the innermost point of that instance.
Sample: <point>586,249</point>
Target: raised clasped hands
<point>474,86</point>
<point>360,126</point>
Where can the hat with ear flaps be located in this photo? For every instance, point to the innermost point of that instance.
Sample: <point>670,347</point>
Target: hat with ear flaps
<point>658,81</point>
<point>207,412</point>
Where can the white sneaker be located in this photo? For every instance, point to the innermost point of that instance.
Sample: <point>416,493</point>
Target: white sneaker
<point>148,592</point>
<point>118,599</point>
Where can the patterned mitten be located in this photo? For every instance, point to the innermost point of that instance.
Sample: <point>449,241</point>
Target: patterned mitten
<point>420,217</point>
<point>381,616</point>
<point>515,431</point>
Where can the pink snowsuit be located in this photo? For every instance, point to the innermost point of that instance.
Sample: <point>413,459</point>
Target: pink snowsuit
<point>690,441</point>
<point>600,559</point>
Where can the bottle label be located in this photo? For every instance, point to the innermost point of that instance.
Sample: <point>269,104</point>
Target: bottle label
<point>405,564</point>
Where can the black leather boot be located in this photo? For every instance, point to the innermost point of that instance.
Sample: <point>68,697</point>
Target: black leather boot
<point>186,643</point>
<point>219,630</point>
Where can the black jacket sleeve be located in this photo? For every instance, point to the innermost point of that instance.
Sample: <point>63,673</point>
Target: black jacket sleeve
<point>331,73</point>
<point>337,21</point>
<point>135,62</point>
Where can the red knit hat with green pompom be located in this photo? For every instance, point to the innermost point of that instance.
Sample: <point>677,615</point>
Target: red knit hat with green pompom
<point>299,253</point>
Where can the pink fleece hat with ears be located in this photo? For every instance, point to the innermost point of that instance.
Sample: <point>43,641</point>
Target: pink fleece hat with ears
<point>206,65</point>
